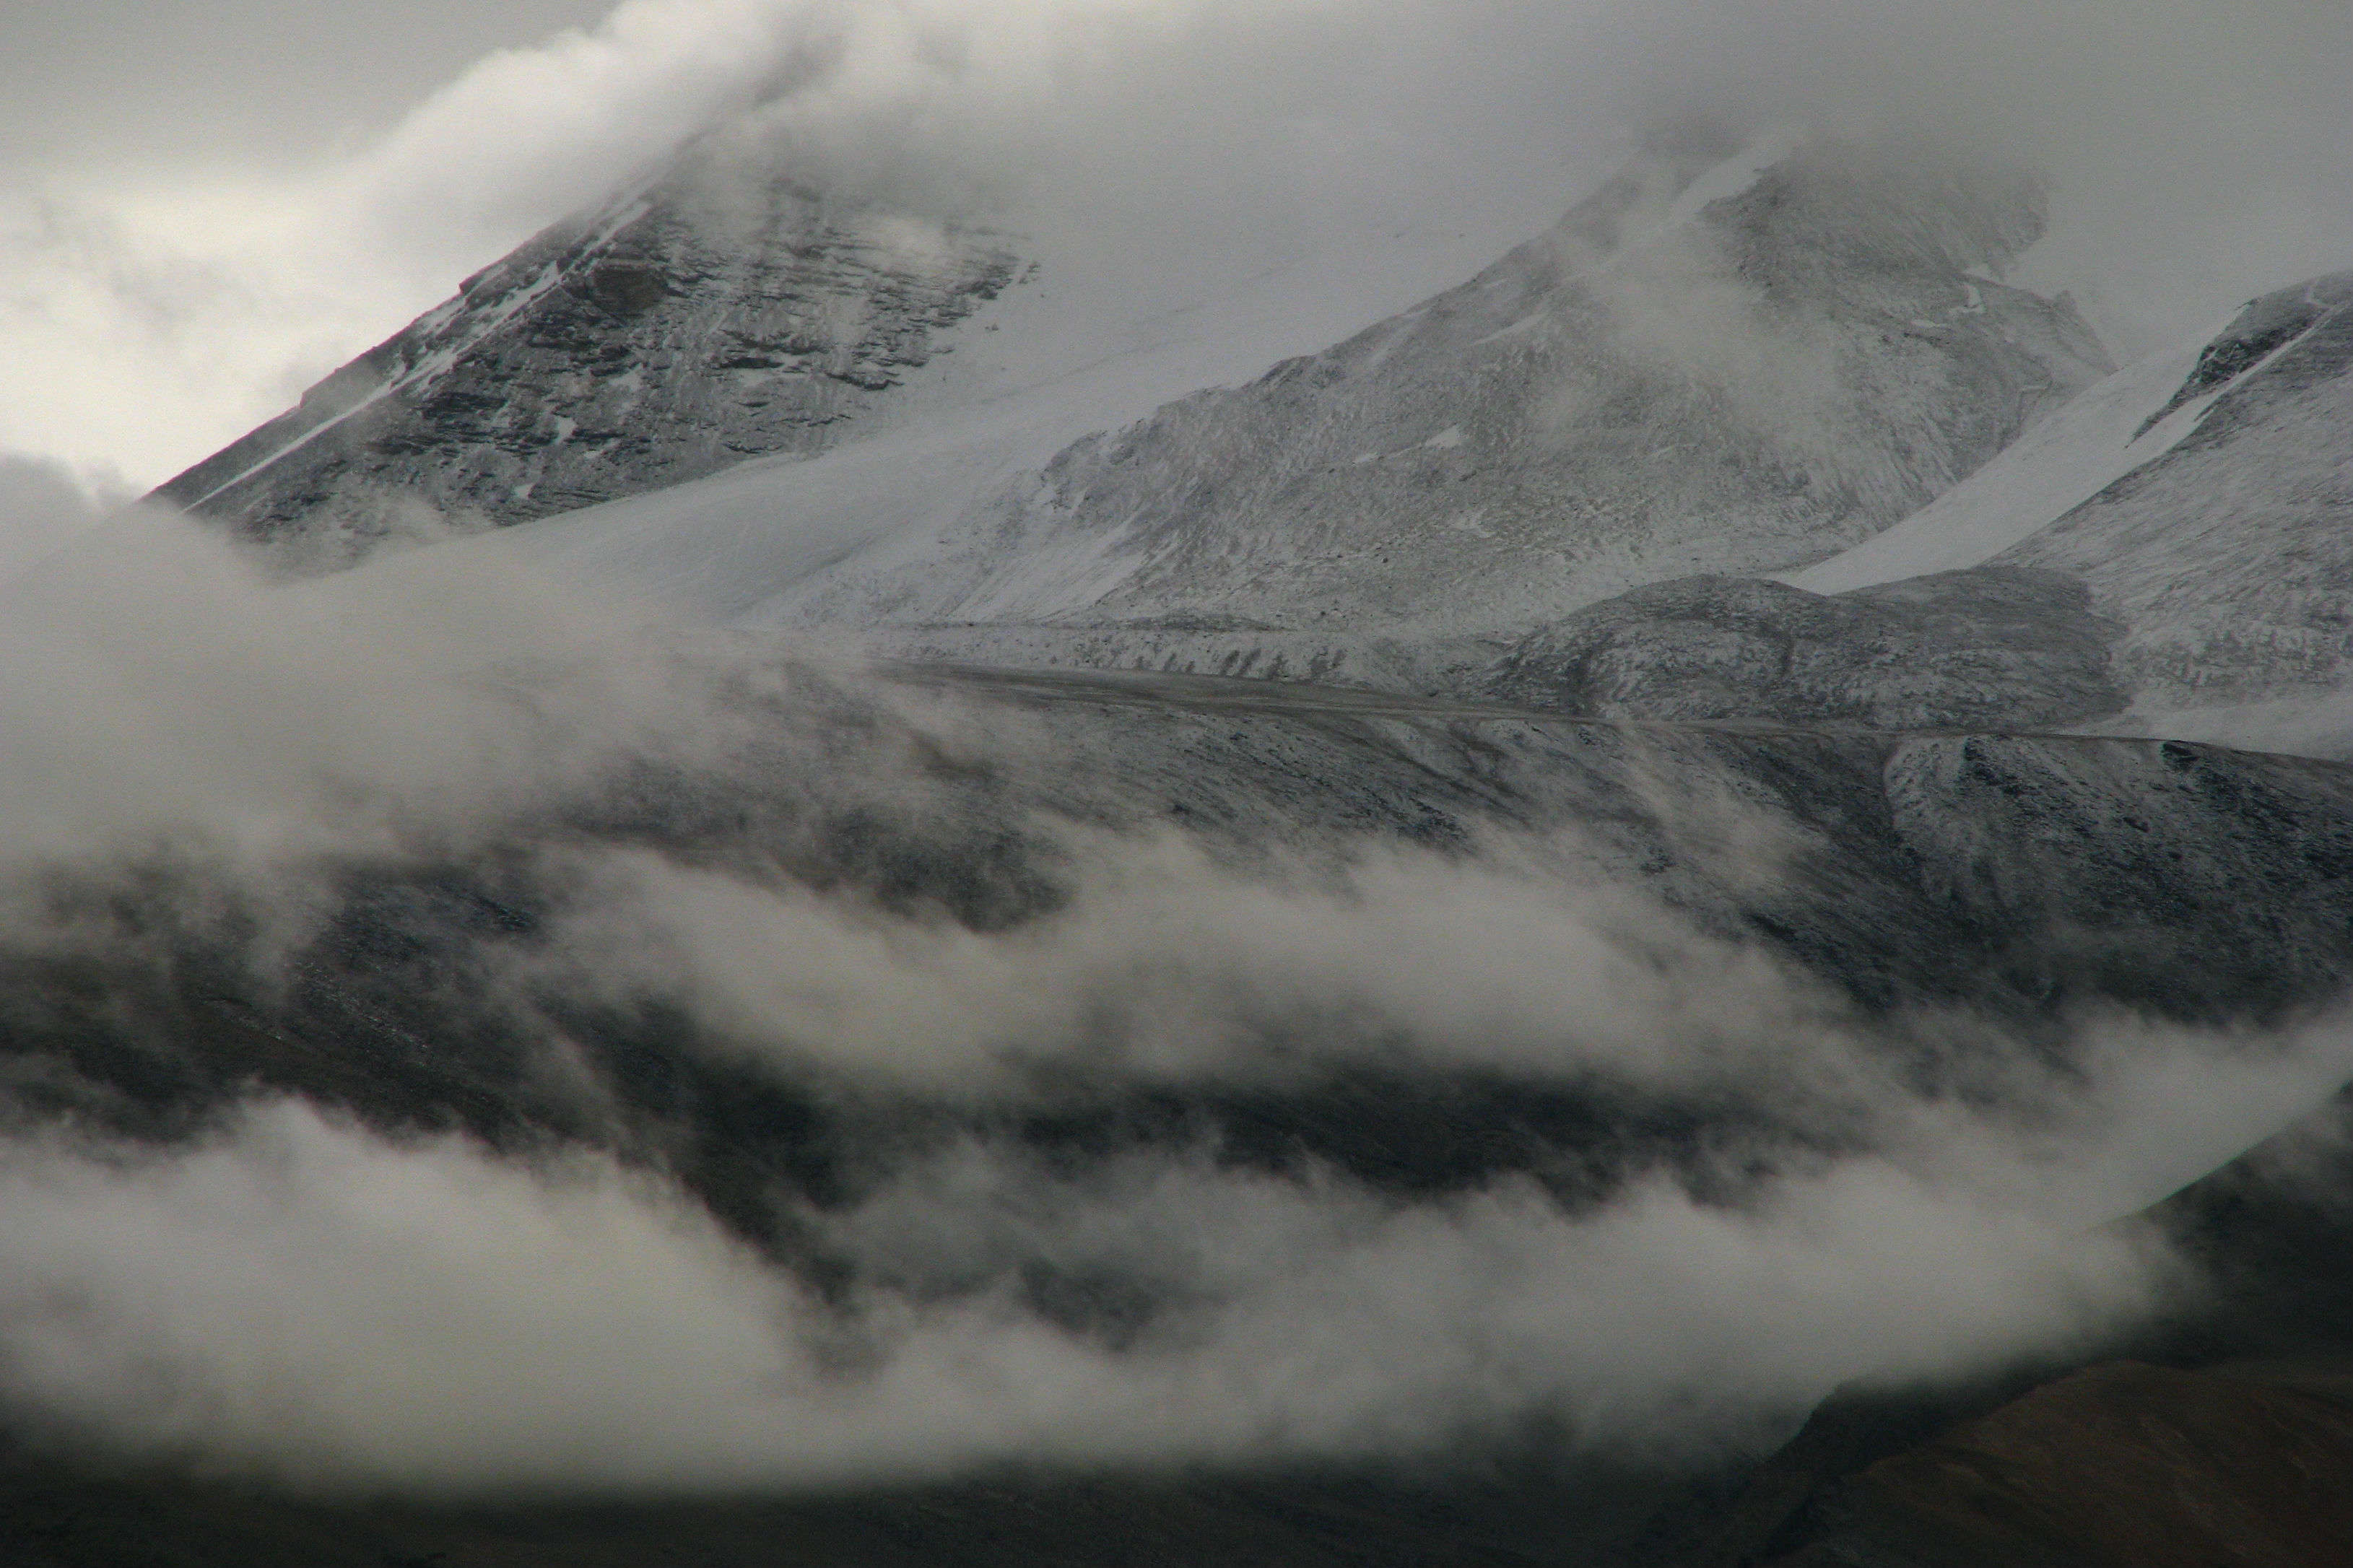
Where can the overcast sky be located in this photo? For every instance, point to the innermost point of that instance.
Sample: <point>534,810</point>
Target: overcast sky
<point>204,204</point>
<point>107,85</point>
<point>132,336</point>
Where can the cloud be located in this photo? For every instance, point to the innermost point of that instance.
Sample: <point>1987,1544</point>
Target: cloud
<point>297,1298</point>
<point>300,1296</point>
<point>1162,964</point>
<point>2198,158</point>
<point>43,506</point>
<point>305,1301</point>
<point>157,685</point>
<point>105,84</point>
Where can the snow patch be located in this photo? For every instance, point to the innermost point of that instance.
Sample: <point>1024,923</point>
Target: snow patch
<point>1735,176</point>
<point>2055,467</point>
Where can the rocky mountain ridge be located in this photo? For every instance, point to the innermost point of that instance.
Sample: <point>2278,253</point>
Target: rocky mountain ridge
<point>686,327</point>
<point>1589,414</point>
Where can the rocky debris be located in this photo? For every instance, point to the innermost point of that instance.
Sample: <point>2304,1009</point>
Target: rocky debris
<point>2004,647</point>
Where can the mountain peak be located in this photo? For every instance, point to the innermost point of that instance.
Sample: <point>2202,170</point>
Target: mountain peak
<point>681,329</point>
<point>1722,360</point>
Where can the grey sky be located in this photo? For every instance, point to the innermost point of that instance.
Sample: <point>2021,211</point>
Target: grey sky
<point>94,83</point>
<point>207,204</point>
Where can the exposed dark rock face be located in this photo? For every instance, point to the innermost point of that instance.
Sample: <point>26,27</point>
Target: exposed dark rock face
<point>2219,1436</point>
<point>670,335</point>
<point>2119,1463</point>
<point>2265,326</point>
<point>1996,646</point>
<point>2246,1464</point>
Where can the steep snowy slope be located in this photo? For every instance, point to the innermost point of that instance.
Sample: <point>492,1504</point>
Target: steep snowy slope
<point>1085,343</point>
<point>2229,559</point>
<point>2203,497</point>
<point>1727,359</point>
<point>2079,451</point>
<point>705,320</point>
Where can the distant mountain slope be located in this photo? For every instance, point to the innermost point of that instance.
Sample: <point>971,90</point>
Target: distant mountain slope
<point>2017,880</point>
<point>1725,360</point>
<point>1729,359</point>
<point>2228,558</point>
<point>681,330</point>
<point>2247,1463</point>
<point>2204,500</point>
<point>2021,882</point>
<point>1995,645</point>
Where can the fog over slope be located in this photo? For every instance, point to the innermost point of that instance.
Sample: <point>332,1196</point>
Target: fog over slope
<point>470,1022</point>
<point>876,1091</point>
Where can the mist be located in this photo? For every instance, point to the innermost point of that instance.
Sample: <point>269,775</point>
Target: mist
<point>283,1290</point>
<point>160,309</point>
<point>309,1303</point>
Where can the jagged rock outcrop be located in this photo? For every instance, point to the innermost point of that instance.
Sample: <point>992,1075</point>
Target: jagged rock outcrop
<point>681,330</point>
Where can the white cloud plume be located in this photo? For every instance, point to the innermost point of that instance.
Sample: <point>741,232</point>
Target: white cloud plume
<point>2199,157</point>
<point>311,1302</point>
<point>298,1297</point>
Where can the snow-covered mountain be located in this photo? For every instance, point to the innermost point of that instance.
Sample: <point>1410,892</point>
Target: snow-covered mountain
<point>2228,556</point>
<point>1788,361</point>
<point>1698,568</point>
<point>2196,504</point>
<point>1728,359</point>
<point>2166,555</point>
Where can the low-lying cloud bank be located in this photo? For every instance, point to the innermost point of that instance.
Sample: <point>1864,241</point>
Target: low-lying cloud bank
<point>306,1301</point>
<point>197,762</point>
<point>311,1301</point>
<point>297,1295</point>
